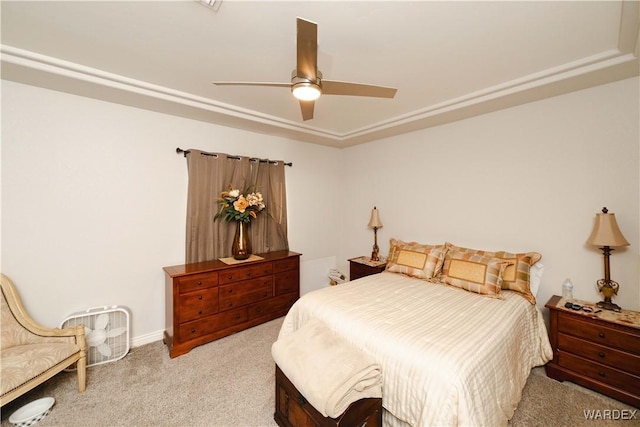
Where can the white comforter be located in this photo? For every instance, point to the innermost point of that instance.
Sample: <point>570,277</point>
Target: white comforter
<point>448,356</point>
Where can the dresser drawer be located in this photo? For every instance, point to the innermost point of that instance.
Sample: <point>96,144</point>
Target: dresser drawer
<point>285,265</point>
<point>287,282</point>
<point>244,273</point>
<point>601,354</point>
<point>197,281</point>
<point>280,304</point>
<point>598,334</point>
<point>195,305</point>
<point>599,372</point>
<point>207,325</point>
<point>247,292</point>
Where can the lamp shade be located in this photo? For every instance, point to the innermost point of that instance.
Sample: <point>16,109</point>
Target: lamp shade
<point>374,221</point>
<point>606,232</point>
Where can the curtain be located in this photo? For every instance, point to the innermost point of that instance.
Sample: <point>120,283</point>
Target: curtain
<point>207,239</point>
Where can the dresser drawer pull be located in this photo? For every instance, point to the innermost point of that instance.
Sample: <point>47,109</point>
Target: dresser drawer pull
<point>193,330</point>
<point>259,310</point>
<point>200,297</point>
<point>238,316</point>
<point>265,294</point>
<point>301,400</point>
<point>601,334</point>
<point>230,304</point>
<point>230,290</point>
<point>200,312</point>
<point>199,283</point>
<point>601,354</point>
<point>230,277</point>
<point>601,374</point>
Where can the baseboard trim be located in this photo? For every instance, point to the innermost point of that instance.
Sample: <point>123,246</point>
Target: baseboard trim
<point>147,338</point>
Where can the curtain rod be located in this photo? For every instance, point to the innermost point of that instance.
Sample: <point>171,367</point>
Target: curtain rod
<point>253,159</point>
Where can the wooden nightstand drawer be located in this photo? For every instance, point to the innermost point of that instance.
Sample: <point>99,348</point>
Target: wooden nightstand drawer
<point>599,334</point>
<point>599,353</point>
<point>359,267</point>
<point>598,372</point>
<point>599,350</point>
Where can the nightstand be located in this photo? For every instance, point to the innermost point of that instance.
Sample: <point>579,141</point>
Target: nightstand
<point>600,351</point>
<point>364,266</point>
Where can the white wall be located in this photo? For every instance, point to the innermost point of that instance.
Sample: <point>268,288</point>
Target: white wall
<point>94,195</point>
<point>529,178</point>
<point>94,201</point>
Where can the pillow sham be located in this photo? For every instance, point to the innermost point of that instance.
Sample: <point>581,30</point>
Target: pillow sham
<point>474,272</point>
<point>516,276</point>
<point>415,259</point>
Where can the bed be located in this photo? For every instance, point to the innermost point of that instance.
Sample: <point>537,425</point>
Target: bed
<point>448,356</point>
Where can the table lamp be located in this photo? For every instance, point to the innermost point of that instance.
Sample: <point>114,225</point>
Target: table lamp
<point>606,234</point>
<point>374,222</point>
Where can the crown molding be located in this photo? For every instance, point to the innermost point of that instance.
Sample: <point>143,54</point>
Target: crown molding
<point>40,70</point>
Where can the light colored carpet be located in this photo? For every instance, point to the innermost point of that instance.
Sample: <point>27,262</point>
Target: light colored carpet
<point>230,382</point>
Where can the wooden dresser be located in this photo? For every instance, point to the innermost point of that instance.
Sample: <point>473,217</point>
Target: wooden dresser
<point>600,351</point>
<point>209,300</point>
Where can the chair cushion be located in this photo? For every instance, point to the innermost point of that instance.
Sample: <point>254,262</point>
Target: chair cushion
<point>21,363</point>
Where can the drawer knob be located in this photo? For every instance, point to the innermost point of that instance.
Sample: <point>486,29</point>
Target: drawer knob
<point>200,312</point>
<point>199,283</point>
<point>601,373</point>
<point>230,304</point>
<point>200,297</point>
<point>230,277</point>
<point>193,331</point>
<point>301,400</point>
<point>265,294</point>
<point>259,309</point>
<point>238,316</point>
<point>230,291</point>
<point>601,354</point>
<point>601,334</point>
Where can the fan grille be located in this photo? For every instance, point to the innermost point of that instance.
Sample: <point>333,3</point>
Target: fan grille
<point>106,332</point>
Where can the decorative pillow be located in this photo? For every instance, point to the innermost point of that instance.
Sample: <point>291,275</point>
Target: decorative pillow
<point>535,274</point>
<point>415,259</point>
<point>516,276</point>
<point>473,272</point>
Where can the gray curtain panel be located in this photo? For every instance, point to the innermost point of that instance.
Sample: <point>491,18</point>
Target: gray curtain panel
<point>209,175</point>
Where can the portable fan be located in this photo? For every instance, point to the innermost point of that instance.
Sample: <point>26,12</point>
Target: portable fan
<point>106,332</point>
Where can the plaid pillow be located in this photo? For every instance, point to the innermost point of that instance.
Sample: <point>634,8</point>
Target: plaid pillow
<point>516,276</point>
<point>474,272</point>
<point>415,259</point>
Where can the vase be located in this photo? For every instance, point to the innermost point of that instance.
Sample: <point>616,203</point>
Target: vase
<point>241,248</point>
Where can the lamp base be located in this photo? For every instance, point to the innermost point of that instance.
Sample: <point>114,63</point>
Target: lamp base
<point>608,305</point>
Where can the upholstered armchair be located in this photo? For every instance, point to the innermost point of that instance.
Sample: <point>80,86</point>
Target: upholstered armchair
<point>30,354</point>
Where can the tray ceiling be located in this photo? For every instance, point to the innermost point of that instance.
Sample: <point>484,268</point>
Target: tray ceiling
<point>449,60</point>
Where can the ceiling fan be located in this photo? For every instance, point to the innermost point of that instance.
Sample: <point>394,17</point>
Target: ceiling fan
<point>307,83</point>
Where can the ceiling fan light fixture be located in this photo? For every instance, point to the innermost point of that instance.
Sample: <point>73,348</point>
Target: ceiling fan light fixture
<point>306,91</point>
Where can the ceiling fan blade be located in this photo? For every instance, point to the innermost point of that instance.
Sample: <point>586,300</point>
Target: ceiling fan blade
<point>331,87</point>
<point>270,84</point>
<point>307,109</point>
<point>307,49</point>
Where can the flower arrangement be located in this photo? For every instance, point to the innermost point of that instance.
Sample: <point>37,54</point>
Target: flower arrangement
<point>235,206</point>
